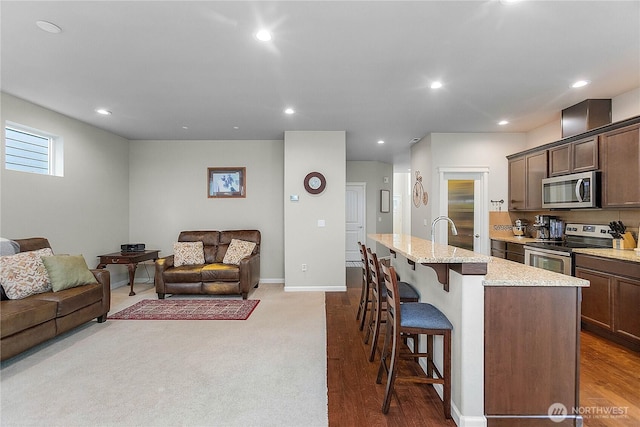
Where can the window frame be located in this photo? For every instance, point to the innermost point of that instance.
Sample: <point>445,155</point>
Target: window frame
<point>54,150</point>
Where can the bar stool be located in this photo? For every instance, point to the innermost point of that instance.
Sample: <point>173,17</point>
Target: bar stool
<point>412,319</point>
<point>365,297</point>
<point>379,300</point>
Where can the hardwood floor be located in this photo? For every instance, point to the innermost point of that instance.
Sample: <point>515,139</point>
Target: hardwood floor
<point>609,381</point>
<point>610,377</point>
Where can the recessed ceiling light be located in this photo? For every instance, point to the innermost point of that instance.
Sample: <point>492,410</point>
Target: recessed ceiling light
<point>103,111</point>
<point>289,111</point>
<point>185,127</point>
<point>380,142</point>
<point>503,122</point>
<point>263,35</point>
<point>436,85</point>
<point>48,27</point>
<point>580,83</point>
<point>236,127</point>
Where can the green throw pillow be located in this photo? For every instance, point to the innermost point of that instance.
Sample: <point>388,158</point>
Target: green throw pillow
<point>67,271</point>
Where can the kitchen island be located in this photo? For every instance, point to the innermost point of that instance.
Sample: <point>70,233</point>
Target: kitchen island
<point>515,340</point>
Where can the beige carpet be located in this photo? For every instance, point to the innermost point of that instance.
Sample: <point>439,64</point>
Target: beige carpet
<point>269,370</point>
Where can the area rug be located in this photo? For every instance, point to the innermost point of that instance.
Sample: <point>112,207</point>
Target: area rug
<point>196,309</point>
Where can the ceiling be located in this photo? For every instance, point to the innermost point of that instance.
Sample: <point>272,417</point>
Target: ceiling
<point>194,70</point>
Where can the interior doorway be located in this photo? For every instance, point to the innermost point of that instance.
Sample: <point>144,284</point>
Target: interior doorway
<point>463,198</point>
<point>356,226</point>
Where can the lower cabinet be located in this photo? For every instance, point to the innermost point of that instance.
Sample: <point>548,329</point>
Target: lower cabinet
<point>532,357</point>
<point>610,304</point>
<point>507,250</point>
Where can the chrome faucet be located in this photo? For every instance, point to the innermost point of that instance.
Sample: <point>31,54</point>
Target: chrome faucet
<point>454,230</point>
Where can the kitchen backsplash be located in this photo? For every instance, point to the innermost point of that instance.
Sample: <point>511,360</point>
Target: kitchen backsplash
<point>500,223</point>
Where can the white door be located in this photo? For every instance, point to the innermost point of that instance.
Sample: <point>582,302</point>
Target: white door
<point>463,197</point>
<point>355,217</point>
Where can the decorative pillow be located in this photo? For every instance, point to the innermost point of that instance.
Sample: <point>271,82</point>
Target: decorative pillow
<point>237,250</point>
<point>188,253</point>
<point>24,274</point>
<point>67,271</point>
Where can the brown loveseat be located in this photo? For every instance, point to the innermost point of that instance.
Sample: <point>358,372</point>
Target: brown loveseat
<point>213,277</point>
<point>27,322</point>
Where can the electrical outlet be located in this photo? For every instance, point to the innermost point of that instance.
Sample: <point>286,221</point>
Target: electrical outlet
<point>304,267</point>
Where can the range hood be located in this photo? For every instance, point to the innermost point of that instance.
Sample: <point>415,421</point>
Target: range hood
<point>586,115</point>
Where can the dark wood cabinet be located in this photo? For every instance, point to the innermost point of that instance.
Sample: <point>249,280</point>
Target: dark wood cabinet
<point>620,155</point>
<point>610,304</point>
<point>574,157</point>
<point>596,299</point>
<point>499,249</point>
<point>507,250</point>
<point>525,180</point>
<point>517,184</point>
<point>531,355</point>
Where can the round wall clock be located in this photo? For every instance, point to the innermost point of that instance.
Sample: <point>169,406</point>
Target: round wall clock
<point>315,183</point>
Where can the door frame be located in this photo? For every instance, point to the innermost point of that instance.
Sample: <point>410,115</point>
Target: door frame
<point>481,201</point>
<point>363,185</point>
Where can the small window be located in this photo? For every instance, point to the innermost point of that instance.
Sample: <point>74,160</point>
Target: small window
<point>30,150</point>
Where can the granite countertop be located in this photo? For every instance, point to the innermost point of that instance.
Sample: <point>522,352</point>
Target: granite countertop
<point>619,254</point>
<point>422,251</point>
<point>502,272</point>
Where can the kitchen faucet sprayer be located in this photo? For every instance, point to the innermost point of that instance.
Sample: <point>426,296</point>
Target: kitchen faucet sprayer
<point>454,230</point>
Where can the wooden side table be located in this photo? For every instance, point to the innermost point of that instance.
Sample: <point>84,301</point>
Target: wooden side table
<point>131,259</point>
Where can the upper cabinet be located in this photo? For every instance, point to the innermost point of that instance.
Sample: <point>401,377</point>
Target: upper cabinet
<point>574,157</point>
<point>525,181</point>
<point>620,156</point>
<point>613,149</point>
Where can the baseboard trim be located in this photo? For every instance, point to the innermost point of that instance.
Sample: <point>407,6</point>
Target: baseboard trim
<point>340,288</point>
<point>272,281</point>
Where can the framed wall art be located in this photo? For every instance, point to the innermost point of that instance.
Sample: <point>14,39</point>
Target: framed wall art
<point>226,182</point>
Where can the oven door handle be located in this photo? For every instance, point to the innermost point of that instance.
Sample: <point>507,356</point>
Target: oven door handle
<point>579,189</point>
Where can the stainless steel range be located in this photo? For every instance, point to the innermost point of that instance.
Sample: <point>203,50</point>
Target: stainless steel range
<point>558,255</point>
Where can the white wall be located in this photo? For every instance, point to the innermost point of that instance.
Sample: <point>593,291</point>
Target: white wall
<point>623,106</point>
<point>626,105</point>
<point>421,161</point>
<point>461,150</point>
<point>320,248</point>
<point>168,194</point>
<point>402,190</point>
<point>373,173</point>
<point>84,212</point>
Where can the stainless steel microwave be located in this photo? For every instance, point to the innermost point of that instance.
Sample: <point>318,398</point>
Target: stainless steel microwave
<point>578,190</point>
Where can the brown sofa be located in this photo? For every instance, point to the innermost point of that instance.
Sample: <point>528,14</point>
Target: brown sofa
<point>213,277</point>
<point>27,322</point>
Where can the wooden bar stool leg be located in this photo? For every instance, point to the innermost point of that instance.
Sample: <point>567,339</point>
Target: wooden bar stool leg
<point>376,330</point>
<point>366,308</point>
<point>446,394</point>
<point>374,315</point>
<point>385,353</point>
<point>362,301</point>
